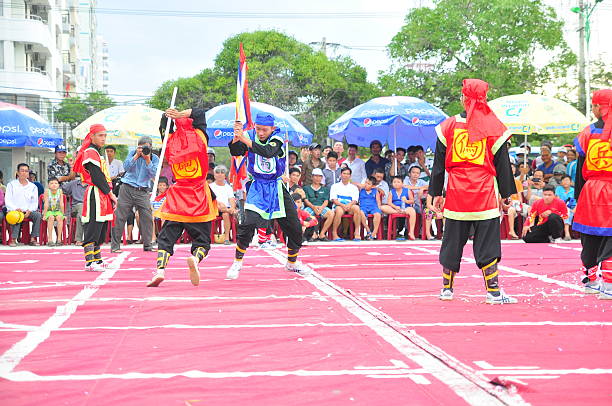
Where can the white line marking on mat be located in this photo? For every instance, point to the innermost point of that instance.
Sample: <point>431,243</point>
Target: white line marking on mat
<point>465,381</point>
<point>13,356</point>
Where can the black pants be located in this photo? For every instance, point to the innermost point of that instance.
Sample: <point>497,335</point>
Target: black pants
<point>595,249</point>
<point>94,231</point>
<point>487,244</point>
<point>552,228</point>
<point>172,230</point>
<point>290,225</point>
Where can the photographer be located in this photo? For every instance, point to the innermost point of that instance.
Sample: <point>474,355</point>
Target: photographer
<point>140,167</point>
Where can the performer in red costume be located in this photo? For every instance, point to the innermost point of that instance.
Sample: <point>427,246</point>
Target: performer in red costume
<point>471,147</point>
<point>99,198</point>
<point>189,203</point>
<point>593,189</point>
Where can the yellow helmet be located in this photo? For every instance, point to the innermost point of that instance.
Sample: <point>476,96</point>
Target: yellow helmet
<point>14,217</point>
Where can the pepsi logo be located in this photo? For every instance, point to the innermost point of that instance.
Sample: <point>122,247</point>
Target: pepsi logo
<point>367,122</point>
<point>39,141</point>
<point>217,133</point>
<point>415,120</point>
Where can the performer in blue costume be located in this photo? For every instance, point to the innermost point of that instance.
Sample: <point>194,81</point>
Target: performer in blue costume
<point>267,199</point>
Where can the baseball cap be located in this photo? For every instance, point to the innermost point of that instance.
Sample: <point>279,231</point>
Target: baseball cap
<point>521,151</point>
<point>525,144</point>
<point>211,151</point>
<point>562,149</point>
<point>60,148</point>
<point>559,168</point>
<point>314,145</point>
<point>317,171</point>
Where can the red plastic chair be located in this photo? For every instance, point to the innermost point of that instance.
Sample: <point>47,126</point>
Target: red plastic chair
<point>216,227</point>
<point>392,224</point>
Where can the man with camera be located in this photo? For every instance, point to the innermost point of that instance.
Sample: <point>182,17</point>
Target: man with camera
<point>140,167</point>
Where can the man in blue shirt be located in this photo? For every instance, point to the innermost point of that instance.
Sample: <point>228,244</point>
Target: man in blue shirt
<point>135,191</point>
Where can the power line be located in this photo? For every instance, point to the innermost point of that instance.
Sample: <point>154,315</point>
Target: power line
<point>63,91</point>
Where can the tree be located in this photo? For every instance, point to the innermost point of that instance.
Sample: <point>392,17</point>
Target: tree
<point>282,72</point>
<point>74,110</point>
<point>494,40</point>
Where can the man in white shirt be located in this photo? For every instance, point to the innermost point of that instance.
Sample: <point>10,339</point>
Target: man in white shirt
<point>357,165</point>
<point>225,199</point>
<point>115,166</point>
<point>22,195</point>
<point>345,196</point>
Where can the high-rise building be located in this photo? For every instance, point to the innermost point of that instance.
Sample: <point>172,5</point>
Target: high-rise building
<point>48,49</point>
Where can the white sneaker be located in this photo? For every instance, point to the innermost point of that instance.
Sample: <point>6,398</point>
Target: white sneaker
<point>606,291</point>
<point>502,298</point>
<point>96,267</point>
<point>194,272</point>
<point>557,240</point>
<point>158,277</point>
<point>298,267</point>
<point>234,271</point>
<point>592,287</point>
<point>265,245</point>
<point>446,294</point>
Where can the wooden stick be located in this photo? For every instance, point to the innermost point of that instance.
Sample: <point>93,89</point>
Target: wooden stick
<point>163,150</point>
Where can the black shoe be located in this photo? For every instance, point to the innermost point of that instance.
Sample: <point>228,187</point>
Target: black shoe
<point>324,239</point>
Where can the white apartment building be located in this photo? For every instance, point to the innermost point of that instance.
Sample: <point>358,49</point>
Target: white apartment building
<point>48,49</point>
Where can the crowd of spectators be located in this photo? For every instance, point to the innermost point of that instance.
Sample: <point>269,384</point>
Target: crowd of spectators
<point>341,196</point>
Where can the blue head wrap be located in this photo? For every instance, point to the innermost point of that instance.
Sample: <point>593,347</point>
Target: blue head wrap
<point>265,119</point>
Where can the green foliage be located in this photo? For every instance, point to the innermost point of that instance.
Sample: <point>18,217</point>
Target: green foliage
<point>493,40</point>
<point>74,110</point>
<point>283,72</point>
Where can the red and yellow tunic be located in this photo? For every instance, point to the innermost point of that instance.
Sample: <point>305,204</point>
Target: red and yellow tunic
<point>189,200</point>
<point>471,192</point>
<point>593,213</point>
<point>103,209</point>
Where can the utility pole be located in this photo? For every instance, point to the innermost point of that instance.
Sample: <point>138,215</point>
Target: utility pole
<point>582,95</point>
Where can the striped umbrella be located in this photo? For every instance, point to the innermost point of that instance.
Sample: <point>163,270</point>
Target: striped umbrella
<point>125,124</point>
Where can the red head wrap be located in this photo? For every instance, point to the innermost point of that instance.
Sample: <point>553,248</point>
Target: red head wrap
<point>78,162</point>
<point>603,98</point>
<point>481,121</point>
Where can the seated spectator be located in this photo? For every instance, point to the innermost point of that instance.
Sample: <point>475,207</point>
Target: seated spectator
<point>565,192</point>
<point>308,221</point>
<point>292,159</point>
<point>2,206</point>
<point>293,182</point>
<point>423,162</point>
<point>535,187</point>
<point>383,188</point>
<point>395,167</point>
<point>225,200</point>
<point>314,161</point>
<point>344,195</point>
<point>53,211</point>
<point>570,168</point>
<point>316,201</point>
<point>417,186</point>
<point>558,174</point>
<point>546,217</point>
<point>375,161</point>
<point>338,148</point>
<point>515,207</point>
<point>22,195</point>
<point>431,214</point>
<point>369,204</point>
<point>401,201</point>
<point>326,150</point>
<point>548,166</point>
<point>76,189</point>
<point>331,173</point>
<point>34,179</point>
<point>160,198</point>
<point>356,164</point>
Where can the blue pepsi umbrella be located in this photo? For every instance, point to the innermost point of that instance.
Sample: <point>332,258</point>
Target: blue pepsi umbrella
<point>394,120</point>
<point>220,124</point>
<point>21,127</point>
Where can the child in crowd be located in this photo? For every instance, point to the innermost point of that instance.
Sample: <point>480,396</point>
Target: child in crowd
<point>307,221</point>
<point>54,211</point>
<point>369,203</point>
<point>565,192</point>
<point>162,187</point>
<point>401,201</point>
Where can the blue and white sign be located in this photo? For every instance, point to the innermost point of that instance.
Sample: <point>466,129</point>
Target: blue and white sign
<point>21,127</point>
<point>395,120</point>
<point>220,124</point>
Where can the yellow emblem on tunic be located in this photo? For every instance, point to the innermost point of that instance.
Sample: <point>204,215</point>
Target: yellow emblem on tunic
<point>465,151</point>
<point>599,156</point>
<point>187,170</point>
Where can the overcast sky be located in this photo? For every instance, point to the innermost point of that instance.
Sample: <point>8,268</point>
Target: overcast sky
<point>147,50</point>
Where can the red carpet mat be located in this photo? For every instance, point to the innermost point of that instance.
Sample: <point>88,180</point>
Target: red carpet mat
<point>365,328</point>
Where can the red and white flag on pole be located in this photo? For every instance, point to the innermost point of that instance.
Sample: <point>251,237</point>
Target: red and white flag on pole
<point>238,170</point>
